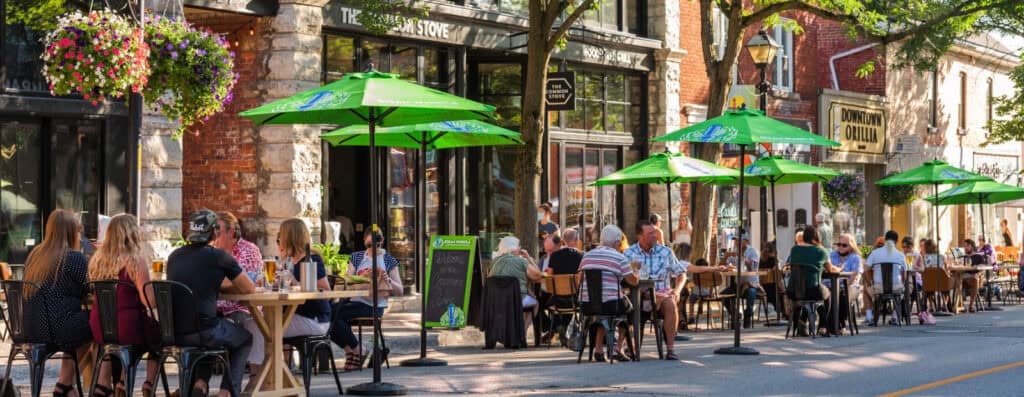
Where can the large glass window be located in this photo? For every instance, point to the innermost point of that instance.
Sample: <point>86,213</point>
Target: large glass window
<point>588,208</point>
<point>496,206</point>
<point>20,189</point>
<point>607,102</point>
<point>501,86</point>
<point>605,16</point>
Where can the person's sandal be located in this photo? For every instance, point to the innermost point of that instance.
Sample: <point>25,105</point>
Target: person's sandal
<point>599,357</point>
<point>671,356</point>
<point>105,391</point>
<point>354,362</point>
<point>62,390</point>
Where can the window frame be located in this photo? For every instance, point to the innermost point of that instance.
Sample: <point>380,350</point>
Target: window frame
<point>628,102</point>
<point>782,66</point>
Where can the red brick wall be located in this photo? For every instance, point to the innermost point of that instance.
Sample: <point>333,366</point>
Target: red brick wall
<point>693,77</point>
<point>220,154</point>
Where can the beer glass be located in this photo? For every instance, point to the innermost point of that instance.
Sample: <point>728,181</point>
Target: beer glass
<point>158,266</point>
<point>270,268</point>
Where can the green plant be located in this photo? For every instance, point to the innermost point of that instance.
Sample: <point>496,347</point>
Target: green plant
<point>179,242</point>
<point>843,189</point>
<point>334,260</point>
<point>865,250</point>
<point>897,194</point>
<point>193,71</point>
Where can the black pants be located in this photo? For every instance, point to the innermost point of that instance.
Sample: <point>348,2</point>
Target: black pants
<point>237,341</point>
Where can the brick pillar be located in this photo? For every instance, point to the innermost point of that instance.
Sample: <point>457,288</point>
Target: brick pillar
<point>288,156</point>
<point>663,100</point>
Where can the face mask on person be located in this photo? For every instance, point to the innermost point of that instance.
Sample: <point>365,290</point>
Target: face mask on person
<point>540,216</point>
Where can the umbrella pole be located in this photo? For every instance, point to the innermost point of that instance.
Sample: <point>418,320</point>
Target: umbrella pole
<point>421,231</point>
<point>988,273</point>
<point>775,234</point>
<point>935,233</point>
<point>671,226</point>
<point>377,387</point>
<point>736,349</point>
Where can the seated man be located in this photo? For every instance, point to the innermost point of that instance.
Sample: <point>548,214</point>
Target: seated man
<point>751,285</point>
<point>606,257</point>
<point>202,268</point>
<point>658,263</point>
<point>888,253</point>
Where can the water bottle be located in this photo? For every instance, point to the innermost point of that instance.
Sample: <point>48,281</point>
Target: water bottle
<point>307,270</point>
<point>452,322</point>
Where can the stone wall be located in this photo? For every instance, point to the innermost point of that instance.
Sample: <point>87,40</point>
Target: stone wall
<point>160,181</point>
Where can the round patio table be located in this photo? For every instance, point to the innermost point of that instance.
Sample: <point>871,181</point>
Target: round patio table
<point>278,309</point>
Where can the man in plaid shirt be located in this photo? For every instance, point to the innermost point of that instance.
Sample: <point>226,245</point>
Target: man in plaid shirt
<point>659,263</point>
<point>229,238</point>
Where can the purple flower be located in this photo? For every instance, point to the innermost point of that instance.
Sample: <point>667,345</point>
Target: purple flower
<point>170,46</point>
<point>200,52</point>
<point>183,45</point>
<point>174,54</point>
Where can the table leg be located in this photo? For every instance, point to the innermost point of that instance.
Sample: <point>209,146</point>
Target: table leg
<point>274,379</point>
<point>835,305</point>
<point>637,308</point>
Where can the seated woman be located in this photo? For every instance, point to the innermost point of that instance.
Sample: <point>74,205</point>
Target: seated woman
<point>512,261</point>
<point>124,257</point>
<point>970,280</point>
<point>314,316</point>
<point>389,278</point>
<point>811,259</point>
<point>930,258</point>
<point>773,291</point>
<point>54,313</point>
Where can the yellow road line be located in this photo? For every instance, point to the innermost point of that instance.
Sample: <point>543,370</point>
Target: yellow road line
<point>954,379</point>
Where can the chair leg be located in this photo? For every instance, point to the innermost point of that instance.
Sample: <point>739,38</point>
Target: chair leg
<point>659,337</point>
<point>306,362</point>
<point>95,372</point>
<point>161,360</point>
<point>334,370</point>
<point>37,368</point>
<point>7,372</point>
<point>129,367</point>
<point>384,351</point>
<point>812,316</point>
<point>359,328</point>
<point>609,336</point>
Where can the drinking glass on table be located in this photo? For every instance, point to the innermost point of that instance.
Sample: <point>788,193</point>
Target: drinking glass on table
<point>158,266</point>
<point>270,269</point>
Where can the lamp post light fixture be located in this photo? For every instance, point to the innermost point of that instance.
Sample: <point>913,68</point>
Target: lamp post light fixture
<point>762,49</point>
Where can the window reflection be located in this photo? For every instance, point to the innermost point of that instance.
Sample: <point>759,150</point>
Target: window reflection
<point>20,220</point>
<point>79,141</point>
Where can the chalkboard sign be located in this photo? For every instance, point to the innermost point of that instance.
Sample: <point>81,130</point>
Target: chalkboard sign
<point>449,280</point>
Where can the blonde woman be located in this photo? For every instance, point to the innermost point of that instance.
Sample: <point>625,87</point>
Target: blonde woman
<point>124,257</point>
<point>54,313</point>
<point>314,316</point>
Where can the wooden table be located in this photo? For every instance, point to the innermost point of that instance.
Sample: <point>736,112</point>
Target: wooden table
<point>279,308</point>
<point>958,286</point>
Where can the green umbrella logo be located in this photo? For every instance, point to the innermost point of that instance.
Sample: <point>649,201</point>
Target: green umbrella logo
<point>951,174</point>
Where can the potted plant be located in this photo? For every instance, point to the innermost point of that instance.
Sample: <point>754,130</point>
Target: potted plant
<point>99,55</point>
<point>193,71</point>
<point>896,195</point>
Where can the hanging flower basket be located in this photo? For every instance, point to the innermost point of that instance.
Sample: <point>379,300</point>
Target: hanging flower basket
<point>99,55</point>
<point>843,189</point>
<point>193,71</point>
<point>896,195</point>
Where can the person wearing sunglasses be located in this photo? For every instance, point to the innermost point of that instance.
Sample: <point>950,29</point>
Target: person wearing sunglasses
<point>846,258</point>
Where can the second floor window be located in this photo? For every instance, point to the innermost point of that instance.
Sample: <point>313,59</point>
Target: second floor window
<point>782,70</point>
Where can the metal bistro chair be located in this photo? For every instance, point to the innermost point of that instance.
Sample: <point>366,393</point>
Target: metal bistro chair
<point>563,300</point>
<point>798,281</point>
<point>595,317</point>
<point>185,350</point>
<point>308,346</point>
<point>888,299</point>
<point>712,283</point>
<point>105,302</point>
<point>36,353</point>
<point>657,321</point>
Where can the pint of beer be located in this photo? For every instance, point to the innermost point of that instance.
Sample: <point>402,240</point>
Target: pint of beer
<point>158,266</point>
<point>270,267</point>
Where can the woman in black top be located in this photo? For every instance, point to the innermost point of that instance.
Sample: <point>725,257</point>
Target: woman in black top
<point>773,291</point>
<point>54,313</point>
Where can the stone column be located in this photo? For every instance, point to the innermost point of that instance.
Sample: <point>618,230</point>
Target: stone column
<point>289,158</point>
<point>160,180</point>
<point>663,89</point>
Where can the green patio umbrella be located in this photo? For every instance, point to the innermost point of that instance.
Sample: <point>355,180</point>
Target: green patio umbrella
<point>935,173</point>
<point>669,168</point>
<point>744,127</point>
<point>981,193</point>
<point>438,135</point>
<point>377,100</point>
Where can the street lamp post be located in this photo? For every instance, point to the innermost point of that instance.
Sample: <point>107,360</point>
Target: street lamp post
<point>762,49</point>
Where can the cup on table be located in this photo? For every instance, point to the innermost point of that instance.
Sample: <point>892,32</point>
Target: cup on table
<point>158,266</point>
<point>270,268</point>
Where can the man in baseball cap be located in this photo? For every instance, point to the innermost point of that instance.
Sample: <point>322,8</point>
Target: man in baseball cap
<point>201,225</point>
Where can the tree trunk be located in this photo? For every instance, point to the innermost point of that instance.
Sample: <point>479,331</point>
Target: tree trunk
<point>528,163</point>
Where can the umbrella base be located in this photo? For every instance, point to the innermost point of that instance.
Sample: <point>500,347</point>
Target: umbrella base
<point>737,351</point>
<point>377,389</point>
<point>424,362</point>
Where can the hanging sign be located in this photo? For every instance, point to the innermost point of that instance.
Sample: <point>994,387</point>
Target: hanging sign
<point>560,93</point>
<point>859,129</point>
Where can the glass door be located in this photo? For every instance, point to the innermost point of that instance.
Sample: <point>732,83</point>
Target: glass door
<point>588,208</point>
<point>20,189</point>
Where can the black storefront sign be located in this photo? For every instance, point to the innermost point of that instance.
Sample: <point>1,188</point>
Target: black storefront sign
<point>560,93</point>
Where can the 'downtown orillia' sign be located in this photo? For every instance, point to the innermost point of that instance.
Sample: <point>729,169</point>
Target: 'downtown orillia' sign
<point>859,129</point>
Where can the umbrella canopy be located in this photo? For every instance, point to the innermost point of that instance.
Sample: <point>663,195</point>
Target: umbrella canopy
<point>746,127</point>
<point>663,168</point>
<point>935,172</point>
<point>362,98</point>
<point>439,135</point>
<point>780,171</point>
<point>982,192</point>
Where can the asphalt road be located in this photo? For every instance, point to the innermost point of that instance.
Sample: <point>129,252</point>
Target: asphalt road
<point>880,360</point>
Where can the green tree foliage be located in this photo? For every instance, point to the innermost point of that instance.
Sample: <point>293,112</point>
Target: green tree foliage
<point>1009,126</point>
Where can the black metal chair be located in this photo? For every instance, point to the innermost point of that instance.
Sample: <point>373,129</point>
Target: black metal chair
<point>593,316</point>
<point>562,300</point>
<point>657,321</point>
<point>186,351</point>
<point>888,301</point>
<point>359,323</point>
<point>36,353</point>
<point>798,282</point>
<point>308,346</point>
<point>105,303</point>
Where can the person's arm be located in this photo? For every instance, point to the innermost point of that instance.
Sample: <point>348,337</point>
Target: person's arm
<point>532,272</point>
<point>680,283</point>
<point>395,280</point>
<point>141,278</point>
<point>631,279</point>
<point>241,284</point>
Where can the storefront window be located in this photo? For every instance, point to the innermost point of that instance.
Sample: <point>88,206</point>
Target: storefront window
<point>20,184</point>
<point>606,15</point>
<point>846,218</point>
<point>403,62</point>
<point>501,87</point>
<point>496,207</point>
<point>516,7</point>
<point>554,176</point>
<point>402,188</point>
<point>589,208</point>
<point>728,214</point>
<point>340,57</point>
<point>608,101</point>
<point>79,141</point>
